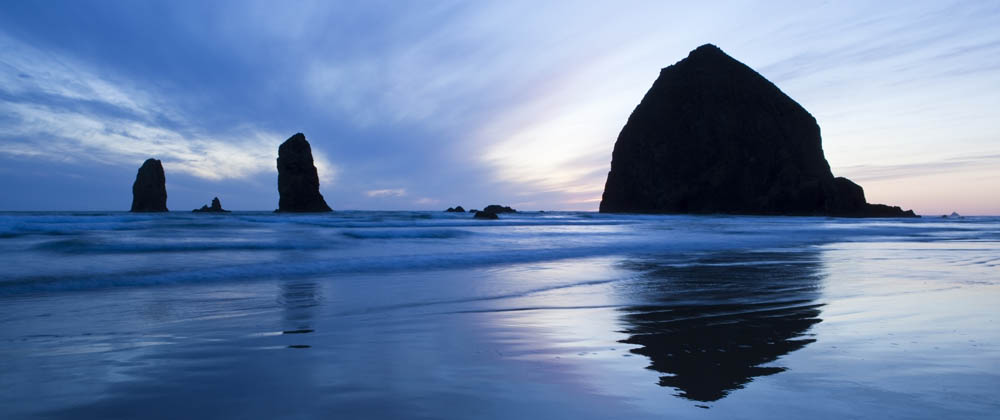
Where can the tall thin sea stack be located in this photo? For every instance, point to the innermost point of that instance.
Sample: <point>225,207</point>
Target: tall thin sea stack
<point>149,191</point>
<point>714,136</point>
<point>298,182</point>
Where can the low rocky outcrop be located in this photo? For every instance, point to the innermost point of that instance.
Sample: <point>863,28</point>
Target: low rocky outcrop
<point>714,136</point>
<point>456,209</point>
<point>497,209</point>
<point>488,215</point>
<point>216,207</point>
<point>149,191</point>
<point>298,182</point>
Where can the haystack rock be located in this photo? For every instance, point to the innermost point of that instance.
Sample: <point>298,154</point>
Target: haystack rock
<point>714,136</point>
<point>215,208</point>
<point>298,183</point>
<point>149,191</point>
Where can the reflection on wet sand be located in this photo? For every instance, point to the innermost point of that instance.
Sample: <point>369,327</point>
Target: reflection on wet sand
<point>299,299</point>
<point>716,323</point>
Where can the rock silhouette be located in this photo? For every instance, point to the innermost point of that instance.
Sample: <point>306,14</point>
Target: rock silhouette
<point>714,136</point>
<point>491,212</point>
<point>456,209</point>
<point>298,183</point>
<point>215,208</point>
<point>496,208</point>
<point>488,215</point>
<point>149,191</point>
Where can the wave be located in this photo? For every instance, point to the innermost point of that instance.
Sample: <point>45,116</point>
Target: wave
<point>413,233</point>
<point>332,266</point>
<point>13,226</point>
<point>386,241</point>
<point>92,246</point>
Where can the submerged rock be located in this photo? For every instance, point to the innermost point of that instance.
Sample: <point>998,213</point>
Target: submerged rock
<point>298,182</point>
<point>496,208</point>
<point>456,209</point>
<point>215,208</point>
<point>714,136</point>
<point>488,215</point>
<point>149,191</point>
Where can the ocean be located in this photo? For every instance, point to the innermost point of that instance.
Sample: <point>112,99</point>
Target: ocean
<point>364,314</point>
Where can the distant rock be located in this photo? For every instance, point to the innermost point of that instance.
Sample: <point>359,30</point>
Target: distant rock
<point>149,191</point>
<point>491,212</point>
<point>714,136</point>
<point>488,215</point>
<point>497,209</point>
<point>215,208</point>
<point>298,182</point>
<point>456,209</point>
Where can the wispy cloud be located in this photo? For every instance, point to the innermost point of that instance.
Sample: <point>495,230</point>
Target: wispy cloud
<point>965,163</point>
<point>395,192</point>
<point>57,108</point>
<point>29,73</point>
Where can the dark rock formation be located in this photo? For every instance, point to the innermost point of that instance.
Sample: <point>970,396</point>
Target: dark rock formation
<point>298,183</point>
<point>216,207</point>
<point>497,209</point>
<point>456,209</point>
<point>149,191</point>
<point>488,215</point>
<point>714,136</point>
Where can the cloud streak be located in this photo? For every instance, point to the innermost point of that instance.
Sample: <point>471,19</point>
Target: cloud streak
<point>972,163</point>
<point>58,109</point>
<point>396,192</point>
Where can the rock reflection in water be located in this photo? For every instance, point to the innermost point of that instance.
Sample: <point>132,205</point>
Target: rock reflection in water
<point>715,323</point>
<point>299,299</point>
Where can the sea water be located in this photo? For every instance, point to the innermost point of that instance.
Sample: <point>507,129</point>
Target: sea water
<point>535,315</point>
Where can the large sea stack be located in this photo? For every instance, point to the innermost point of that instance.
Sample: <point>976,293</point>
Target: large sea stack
<point>149,191</point>
<point>714,136</point>
<point>298,183</point>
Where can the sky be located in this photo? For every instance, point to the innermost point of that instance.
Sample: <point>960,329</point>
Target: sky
<point>424,105</point>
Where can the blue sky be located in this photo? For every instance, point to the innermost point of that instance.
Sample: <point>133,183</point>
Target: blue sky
<point>426,105</point>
